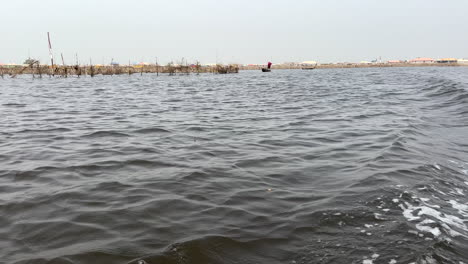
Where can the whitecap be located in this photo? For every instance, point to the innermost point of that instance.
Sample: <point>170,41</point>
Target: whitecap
<point>435,231</point>
<point>370,261</point>
<point>459,191</point>
<point>378,216</point>
<point>452,232</point>
<point>462,208</point>
<point>408,212</point>
<point>447,221</point>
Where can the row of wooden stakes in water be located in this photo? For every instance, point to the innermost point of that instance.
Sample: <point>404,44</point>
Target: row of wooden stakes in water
<point>37,70</point>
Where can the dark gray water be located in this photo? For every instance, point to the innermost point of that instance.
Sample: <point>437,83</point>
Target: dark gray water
<point>325,166</point>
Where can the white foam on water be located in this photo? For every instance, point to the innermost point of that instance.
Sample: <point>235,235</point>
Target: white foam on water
<point>439,191</point>
<point>378,216</point>
<point>459,191</point>
<point>392,261</point>
<point>408,213</point>
<point>370,261</point>
<point>462,208</point>
<point>452,232</point>
<point>368,226</point>
<point>447,221</point>
<point>435,231</point>
<point>466,182</point>
<point>429,260</point>
<point>428,221</point>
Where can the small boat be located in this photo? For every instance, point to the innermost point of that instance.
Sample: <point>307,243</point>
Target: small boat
<point>268,68</point>
<point>309,65</point>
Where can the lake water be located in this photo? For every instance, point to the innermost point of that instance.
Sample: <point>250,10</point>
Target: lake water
<point>323,166</point>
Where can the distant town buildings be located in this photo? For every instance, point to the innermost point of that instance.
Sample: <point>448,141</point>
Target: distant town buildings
<point>447,60</point>
<point>422,60</point>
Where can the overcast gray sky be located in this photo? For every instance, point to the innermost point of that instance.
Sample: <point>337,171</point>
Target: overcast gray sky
<point>235,31</point>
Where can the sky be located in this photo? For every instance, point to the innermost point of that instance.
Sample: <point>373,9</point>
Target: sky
<point>239,31</point>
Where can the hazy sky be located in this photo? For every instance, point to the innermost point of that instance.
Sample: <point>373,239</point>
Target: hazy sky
<point>235,31</point>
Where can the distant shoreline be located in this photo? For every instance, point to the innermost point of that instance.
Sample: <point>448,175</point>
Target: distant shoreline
<point>39,70</point>
<point>357,65</point>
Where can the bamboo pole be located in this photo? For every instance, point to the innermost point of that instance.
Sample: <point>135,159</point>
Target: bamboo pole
<point>50,53</point>
<point>64,67</point>
<point>39,70</point>
<point>77,66</point>
<point>91,68</point>
<point>157,67</point>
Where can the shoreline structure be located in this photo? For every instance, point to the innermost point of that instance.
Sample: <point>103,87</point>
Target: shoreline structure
<point>172,69</point>
<point>356,65</point>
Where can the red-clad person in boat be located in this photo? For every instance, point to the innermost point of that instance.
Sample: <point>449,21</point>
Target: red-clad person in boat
<point>268,69</point>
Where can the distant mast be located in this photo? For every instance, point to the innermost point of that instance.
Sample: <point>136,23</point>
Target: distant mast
<point>50,50</point>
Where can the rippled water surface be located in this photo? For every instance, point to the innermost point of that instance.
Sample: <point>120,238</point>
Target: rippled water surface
<point>324,166</point>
